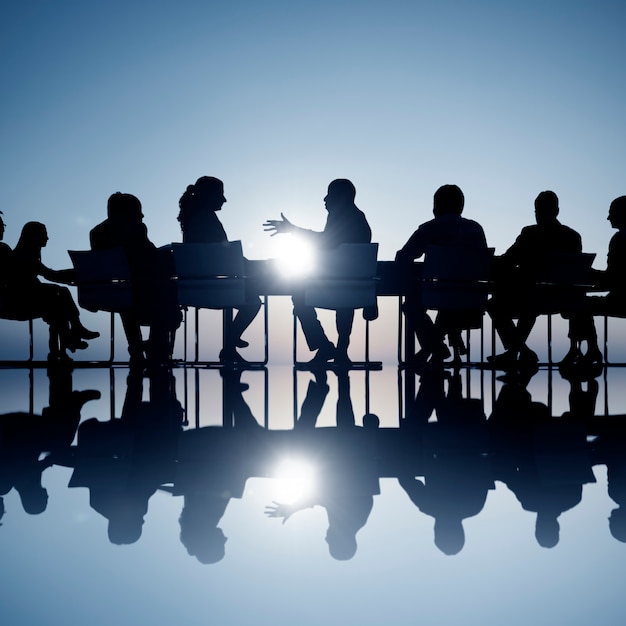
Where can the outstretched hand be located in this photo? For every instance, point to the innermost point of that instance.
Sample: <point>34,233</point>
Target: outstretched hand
<point>276,509</point>
<point>277,227</point>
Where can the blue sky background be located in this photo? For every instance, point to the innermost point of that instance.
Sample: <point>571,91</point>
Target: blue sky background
<point>278,98</point>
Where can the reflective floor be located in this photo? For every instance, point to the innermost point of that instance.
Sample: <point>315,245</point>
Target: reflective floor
<point>276,496</point>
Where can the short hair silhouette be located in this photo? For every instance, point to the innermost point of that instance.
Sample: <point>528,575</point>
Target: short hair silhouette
<point>34,499</point>
<point>343,189</point>
<point>207,543</point>
<point>617,209</point>
<point>342,544</point>
<point>617,523</point>
<point>125,529</point>
<point>547,531</point>
<point>121,205</point>
<point>449,535</point>
<point>448,200</point>
<point>547,204</point>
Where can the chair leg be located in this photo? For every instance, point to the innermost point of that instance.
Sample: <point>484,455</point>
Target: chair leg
<point>31,343</point>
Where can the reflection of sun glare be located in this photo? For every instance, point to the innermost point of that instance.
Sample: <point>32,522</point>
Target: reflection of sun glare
<point>295,481</point>
<point>295,257</point>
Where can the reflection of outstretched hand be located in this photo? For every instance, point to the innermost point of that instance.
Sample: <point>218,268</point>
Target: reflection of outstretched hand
<point>276,509</point>
<point>277,227</point>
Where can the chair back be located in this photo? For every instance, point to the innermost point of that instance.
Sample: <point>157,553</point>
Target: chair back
<point>455,279</point>
<point>345,278</point>
<point>210,275</point>
<point>103,279</point>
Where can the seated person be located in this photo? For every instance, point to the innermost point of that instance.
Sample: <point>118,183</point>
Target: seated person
<point>200,224</point>
<point>515,293</point>
<point>154,293</point>
<point>447,228</point>
<point>614,303</point>
<point>345,223</point>
<point>26,297</point>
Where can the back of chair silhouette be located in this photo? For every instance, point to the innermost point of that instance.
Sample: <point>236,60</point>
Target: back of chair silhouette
<point>7,314</point>
<point>344,278</point>
<point>455,284</point>
<point>210,276</point>
<point>103,280</point>
<point>562,282</point>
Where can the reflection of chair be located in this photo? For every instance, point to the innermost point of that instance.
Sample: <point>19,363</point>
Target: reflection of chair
<point>211,276</point>
<point>454,283</point>
<point>103,281</point>
<point>345,278</point>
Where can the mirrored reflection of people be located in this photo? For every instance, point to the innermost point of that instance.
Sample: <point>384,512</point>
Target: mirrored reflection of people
<point>213,466</point>
<point>448,228</point>
<point>345,223</point>
<point>26,297</point>
<point>29,443</point>
<point>124,461</point>
<point>457,472</point>
<point>199,223</point>
<point>154,293</point>
<point>345,464</point>
<point>515,286</point>
<point>610,449</point>
<point>543,461</point>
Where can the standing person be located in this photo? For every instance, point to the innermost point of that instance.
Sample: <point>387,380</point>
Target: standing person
<point>155,298</point>
<point>449,229</point>
<point>345,223</point>
<point>200,224</point>
<point>26,297</point>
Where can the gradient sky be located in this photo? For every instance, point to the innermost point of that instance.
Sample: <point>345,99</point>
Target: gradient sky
<point>278,98</point>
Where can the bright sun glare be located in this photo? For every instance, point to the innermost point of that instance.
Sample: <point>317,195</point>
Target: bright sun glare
<point>295,481</point>
<point>295,257</point>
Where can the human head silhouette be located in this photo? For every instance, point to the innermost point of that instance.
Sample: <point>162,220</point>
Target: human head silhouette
<point>33,235</point>
<point>448,200</point>
<point>207,543</point>
<point>341,542</point>
<point>124,206</point>
<point>210,192</point>
<point>34,499</point>
<point>449,535</point>
<point>617,213</point>
<point>341,194</point>
<point>125,527</point>
<point>547,530</point>
<point>546,207</point>
<point>617,524</point>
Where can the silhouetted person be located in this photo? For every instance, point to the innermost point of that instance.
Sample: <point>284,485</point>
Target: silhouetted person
<point>26,297</point>
<point>29,443</point>
<point>124,461</point>
<point>448,229</point>
<point>5,258</point>
<point>516,292</point>
<point>612,279</point>
<point>155,304</point>
<point>200,224</point>
<point>457,474</point>
<point>543,461</point>
<point>345,465</point>
<point>345,223</point>
<point>610,449</point>
<point>213,466</point>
